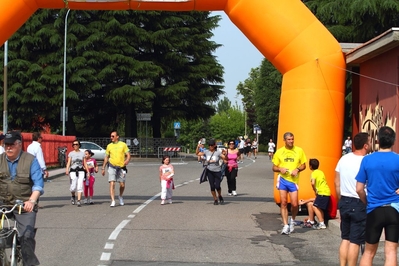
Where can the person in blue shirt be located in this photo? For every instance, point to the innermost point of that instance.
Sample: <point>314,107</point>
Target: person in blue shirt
<point>21,174</point>
<point>380,172</point>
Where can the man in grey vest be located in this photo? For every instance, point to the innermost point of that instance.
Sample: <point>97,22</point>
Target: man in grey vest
<point>21,176</point>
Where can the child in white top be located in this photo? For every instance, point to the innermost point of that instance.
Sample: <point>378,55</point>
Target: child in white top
<point>166,173</point>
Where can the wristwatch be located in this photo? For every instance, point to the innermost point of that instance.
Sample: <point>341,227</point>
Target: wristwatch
<point>33,201</point>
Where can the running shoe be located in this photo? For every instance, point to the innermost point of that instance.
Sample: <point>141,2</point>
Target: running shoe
<point>216,202</point>
<point>112,204</point>
<point>286,230</point>
<point>234,193</point>
<point>319,226</point>
<point>121,202</point>
<point>221,200</point>
<point>163,202</point>
<point>73,201</point>
<point>170,201</point>
<point>292,225</point>
<point>79,204</point>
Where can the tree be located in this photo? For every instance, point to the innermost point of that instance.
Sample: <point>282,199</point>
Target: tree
<point>118,63</point>
<point>248,92</point>
<point>358,20</point>
<point>227,125</point>
<point>267,100</point>
<point>223,105</point>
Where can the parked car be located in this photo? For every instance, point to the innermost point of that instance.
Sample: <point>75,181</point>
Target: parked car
<point>99,152</point>
<point>220,147</point>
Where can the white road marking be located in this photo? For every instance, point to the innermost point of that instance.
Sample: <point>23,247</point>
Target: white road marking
<point>106,256</point>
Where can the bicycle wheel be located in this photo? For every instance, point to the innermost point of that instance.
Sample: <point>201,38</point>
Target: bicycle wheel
<point>4,258</point>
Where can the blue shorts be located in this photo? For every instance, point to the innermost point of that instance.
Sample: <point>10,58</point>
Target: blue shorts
<point>283,184</point>
<point>353,219</point>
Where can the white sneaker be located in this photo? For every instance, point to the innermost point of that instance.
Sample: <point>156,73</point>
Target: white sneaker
<point>112,204</point>
<point>292,225</point>
<point>234,193</point>
<point>86,201</point>
<point>286,230</point>
<point>121,202</point>
<point>170,201</point>
<point>163,202</point>
<point>319,226</point>
<point>230,194</point>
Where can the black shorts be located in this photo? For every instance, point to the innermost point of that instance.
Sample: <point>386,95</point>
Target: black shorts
<point>248,149</point>
<point>241,151</point>
<point>321,202</point>
<point>384,217</point>
<point>353,219</point>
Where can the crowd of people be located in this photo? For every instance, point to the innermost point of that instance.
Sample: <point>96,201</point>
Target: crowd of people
<point>367,189</point>
<point>365,213</point>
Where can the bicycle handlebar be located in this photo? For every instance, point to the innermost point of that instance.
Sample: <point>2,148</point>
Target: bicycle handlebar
<point>4,209</point>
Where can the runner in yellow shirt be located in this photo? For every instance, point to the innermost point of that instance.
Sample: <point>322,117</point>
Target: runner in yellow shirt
<point>288,161</point>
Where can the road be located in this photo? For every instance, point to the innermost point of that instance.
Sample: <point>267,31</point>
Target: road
<point>191,231</point>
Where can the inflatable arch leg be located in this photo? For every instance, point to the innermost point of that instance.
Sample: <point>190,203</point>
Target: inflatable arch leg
<point>287,34</point>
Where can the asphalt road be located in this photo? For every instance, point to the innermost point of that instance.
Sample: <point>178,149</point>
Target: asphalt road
<point>191,231</point>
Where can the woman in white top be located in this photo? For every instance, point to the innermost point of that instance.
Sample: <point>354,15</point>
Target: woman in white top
<point>271,149</point>
<point>76,169</point>
<point>255,147</point>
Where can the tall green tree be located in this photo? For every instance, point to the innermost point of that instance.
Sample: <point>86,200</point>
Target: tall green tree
<point>267,100</point>
<point>247,90</point>
<point>223,105</point>
<point>358,20</point>
<point>227,125</point>
<point>179,44</point>
<point>118,63</point>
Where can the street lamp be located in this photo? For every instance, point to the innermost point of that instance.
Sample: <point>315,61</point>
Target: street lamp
<point>5,99</point>
<point>251,93</point>
<point>64,85</point>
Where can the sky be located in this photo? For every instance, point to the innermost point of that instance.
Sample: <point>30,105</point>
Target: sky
<point>237,55</point>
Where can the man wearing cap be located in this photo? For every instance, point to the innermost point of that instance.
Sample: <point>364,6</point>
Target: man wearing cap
<point>35,149</point>
<point>21,174</point>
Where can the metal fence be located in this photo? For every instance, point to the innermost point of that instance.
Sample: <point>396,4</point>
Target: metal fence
<point>139,147</point>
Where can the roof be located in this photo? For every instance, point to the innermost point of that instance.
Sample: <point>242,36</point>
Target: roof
<point>376,46</point>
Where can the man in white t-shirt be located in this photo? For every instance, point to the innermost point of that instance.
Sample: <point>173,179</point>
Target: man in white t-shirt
<point>241,149</point>
<point>35,149</point>
<point>348,145</point>
<point>352,209</point>
<point>271,148</point>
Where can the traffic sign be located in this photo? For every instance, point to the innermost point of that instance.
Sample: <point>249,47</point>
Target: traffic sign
<point>176,125</point>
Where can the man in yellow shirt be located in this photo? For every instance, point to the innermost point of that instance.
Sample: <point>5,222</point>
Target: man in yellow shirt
<point>288,161</point>
<point>117,156</point>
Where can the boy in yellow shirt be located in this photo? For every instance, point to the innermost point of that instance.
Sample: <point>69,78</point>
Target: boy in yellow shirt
<point>322,190</point>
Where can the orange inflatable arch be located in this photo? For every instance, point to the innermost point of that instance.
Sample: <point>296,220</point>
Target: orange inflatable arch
<point>287,34</point>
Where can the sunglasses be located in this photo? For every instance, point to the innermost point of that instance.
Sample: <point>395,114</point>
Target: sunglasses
<point>231,143</point>
<point>75,144</point>
<point>112,136</point>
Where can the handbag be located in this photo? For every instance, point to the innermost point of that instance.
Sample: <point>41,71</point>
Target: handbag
<point>204,175</point>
